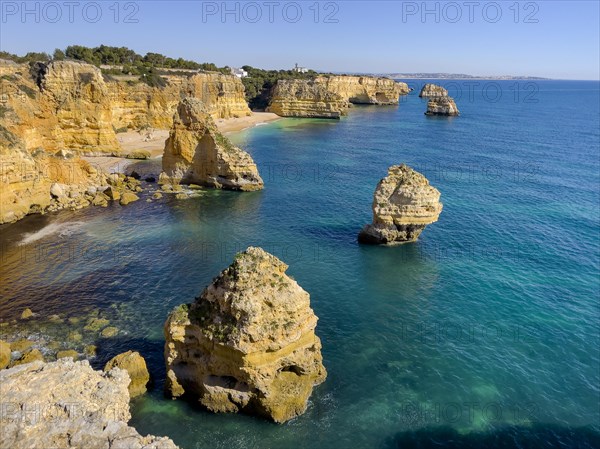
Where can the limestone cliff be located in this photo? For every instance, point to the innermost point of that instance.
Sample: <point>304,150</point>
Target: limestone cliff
<point>27,181</point>
<point>197,153</point>
<point>430,90</point>
<point>306,98</point>
<point>54,112</point>
<point>137,105</point>
<point>248,343</point>
<point>444,106</point>
<point>365,89</point>
<point>403,205</point>
<point>330,96</point>
<point>66,404</point>
<point>61,105</point>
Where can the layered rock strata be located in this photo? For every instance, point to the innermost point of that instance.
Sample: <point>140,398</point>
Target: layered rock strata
<point>138,105</point>
<point>330,96</point>
<point>306,98</point>
<point>53,113</point>
<point>67,404</point>
<point>403,205</point>
<point>197,153</point>
<point>365,89</point>
<point>247,343</point>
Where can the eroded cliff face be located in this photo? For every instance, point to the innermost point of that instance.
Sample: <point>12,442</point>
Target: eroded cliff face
<point>53,113</point>
<point>69,105</point>
<point>444,106</point>
<point>306,98</point>
<point>67,404</point>
<point>196,152</point>
<point>403,205</point>
<point>365,89</point>
<point>137,105</point>
<point>248,343</point>
<point>330,96</point>
<point>57,106</point>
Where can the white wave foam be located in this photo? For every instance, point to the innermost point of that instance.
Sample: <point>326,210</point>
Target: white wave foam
<point>62,229</point>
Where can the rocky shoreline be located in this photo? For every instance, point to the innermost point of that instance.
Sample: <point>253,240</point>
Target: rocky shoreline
<point>67,404</point>
<point>247,343</point>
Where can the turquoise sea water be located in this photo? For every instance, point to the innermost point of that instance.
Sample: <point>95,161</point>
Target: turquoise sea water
<point>484,333</point>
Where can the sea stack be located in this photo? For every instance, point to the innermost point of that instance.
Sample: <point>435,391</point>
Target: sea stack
<point>197,153</point>
<point>444,106</point>
<point>403,205</point>
<point>432,91</point>
<point>247,343</point>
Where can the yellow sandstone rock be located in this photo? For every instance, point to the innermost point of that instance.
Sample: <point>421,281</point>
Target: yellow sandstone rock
<point>30,356</point>
<point>135,365</point>
<point>248,343</point>
<point>330,96</point>
<point>403,205</point>
<point>196,152</point>
<point>67,353</point>
<point>4,354</point>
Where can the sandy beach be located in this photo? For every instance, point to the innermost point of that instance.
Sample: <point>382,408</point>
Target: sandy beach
<point>154,142</point>
<point>231,125</point>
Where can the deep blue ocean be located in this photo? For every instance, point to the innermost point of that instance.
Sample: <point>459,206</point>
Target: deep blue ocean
<point>484,333</point>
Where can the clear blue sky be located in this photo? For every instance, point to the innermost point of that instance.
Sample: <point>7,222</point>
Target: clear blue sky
<point>369,36</point>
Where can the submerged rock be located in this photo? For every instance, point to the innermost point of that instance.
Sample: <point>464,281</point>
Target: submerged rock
<point>248,343</point>
<point>444,106</point>
<point>110,331</point>
<point>196,152</point>
<point>432,91</point>
<point>30,356</point>
<point>26,314</point>
<point>67,353</point>
<point>21,345</point>
<point>128,197</point>
<point>135,365</point>
<point>403,205</point>
<point>66,404</point>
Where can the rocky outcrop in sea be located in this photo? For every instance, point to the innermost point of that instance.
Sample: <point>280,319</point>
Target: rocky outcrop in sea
<point>135,365</point>
<point>66,404</point>
<point>306,98</point>
<point>430,90</point>
<point>331,96</point>
<point>247,343</point>
<point>365,89</point>
<point>197,153</point>
<point>444,106</point>
<point>403,205</point>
